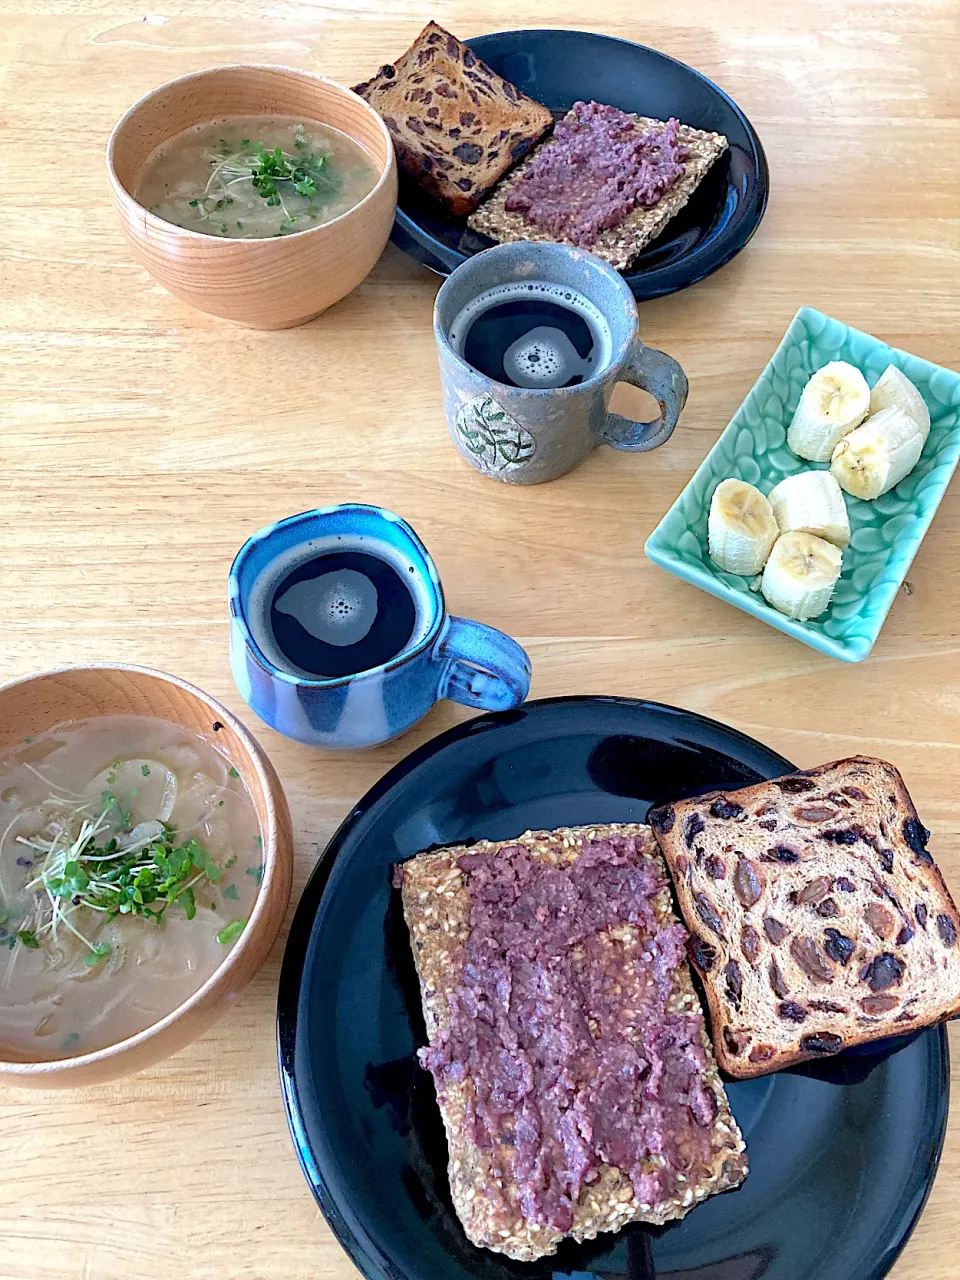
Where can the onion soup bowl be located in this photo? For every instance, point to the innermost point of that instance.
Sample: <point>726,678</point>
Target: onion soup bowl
<point>280,280</point>
<point>72,1017</point>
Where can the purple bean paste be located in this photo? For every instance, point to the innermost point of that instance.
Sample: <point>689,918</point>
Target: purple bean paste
<point>563,1022</point>
<point>599,168</point>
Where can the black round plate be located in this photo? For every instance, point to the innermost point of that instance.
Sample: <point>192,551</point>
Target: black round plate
<point>842,1155</point>
<point>560,67</point>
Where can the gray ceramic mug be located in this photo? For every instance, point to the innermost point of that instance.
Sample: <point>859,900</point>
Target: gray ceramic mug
<point>525,435</point>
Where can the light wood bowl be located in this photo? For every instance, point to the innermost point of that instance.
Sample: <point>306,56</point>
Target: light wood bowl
<point>264,284</point>
<point>29,707</point>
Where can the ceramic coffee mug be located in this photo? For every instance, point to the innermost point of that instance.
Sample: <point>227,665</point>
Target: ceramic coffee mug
<point>444,656</point>
<point>525,435</point>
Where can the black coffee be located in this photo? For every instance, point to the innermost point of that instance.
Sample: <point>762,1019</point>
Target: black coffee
<point>533,335</point>
<point>340,613</point>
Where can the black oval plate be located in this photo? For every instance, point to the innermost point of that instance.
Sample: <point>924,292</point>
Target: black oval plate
<point>842,1155</point>
<point>560,67</point>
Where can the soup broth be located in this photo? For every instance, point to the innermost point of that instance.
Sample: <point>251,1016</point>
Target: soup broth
<point>252,177</point>
<point>130,860</point>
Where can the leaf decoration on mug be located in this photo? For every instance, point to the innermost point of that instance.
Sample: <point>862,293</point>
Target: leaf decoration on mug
<point>491,437</point>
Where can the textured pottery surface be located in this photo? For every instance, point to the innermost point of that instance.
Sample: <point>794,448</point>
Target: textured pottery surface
<point>280,281</point>
<point>493,440</point>
<point>526,436</point>
<point>456,658</point>
<point>886,533</point>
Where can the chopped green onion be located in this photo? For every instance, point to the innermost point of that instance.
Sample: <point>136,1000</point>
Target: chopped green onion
<point>230,932</point>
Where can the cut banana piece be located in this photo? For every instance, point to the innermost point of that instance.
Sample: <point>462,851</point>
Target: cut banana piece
<point>811,502</point>
<point>834,401</point>
<point>741,527</point>
<point>801,575</point>
<point>894,390</point>
<point>875,457</point>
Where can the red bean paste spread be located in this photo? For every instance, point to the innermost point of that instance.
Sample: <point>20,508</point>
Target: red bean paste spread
<point>560,1021</point>
<point>599,168</point>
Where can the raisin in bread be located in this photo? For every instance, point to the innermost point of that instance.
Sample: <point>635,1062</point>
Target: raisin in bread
<point>818,918</point>
<point>457,126</point>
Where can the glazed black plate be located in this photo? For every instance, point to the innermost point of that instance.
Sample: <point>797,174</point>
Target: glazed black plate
<point>560,67</point>
<point>842,1154</point>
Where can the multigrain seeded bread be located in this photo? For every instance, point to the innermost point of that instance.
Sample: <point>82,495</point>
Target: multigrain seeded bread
<point>457,126</point>
<point>436,907</point>
<point>620,245</point>
<point>818,918</point>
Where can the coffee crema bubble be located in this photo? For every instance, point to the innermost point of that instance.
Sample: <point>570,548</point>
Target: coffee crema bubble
<point>533,334</point>
<point>337,606</point>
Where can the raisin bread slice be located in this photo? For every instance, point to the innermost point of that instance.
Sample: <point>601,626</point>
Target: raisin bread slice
<point>457,126</point>
<point>818,918</point>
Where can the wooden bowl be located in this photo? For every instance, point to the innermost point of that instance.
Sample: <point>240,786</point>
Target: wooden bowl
<point>30,706</point>
<point>273,283</point>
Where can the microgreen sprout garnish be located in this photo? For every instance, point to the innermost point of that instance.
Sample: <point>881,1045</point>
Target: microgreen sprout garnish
<point>109,869</point>
<point>274,174</point>
<point>113,814</point>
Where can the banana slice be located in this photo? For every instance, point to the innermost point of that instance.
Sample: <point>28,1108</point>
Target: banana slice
<point>834,401</point>
<point>894,390</point>
<point>800,575</point>
<point>811,502</point>
<point>741,527</point>
<point>876,456</point>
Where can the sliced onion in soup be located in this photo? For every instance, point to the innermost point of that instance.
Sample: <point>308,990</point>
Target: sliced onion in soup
<point>146,789</point>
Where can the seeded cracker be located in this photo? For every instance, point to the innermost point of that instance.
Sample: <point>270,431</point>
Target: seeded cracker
<point>620,245</point>
<point>437,911</point>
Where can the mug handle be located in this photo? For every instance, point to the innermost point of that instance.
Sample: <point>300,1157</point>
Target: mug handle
<point>658,373</point>
<point>482,666</point>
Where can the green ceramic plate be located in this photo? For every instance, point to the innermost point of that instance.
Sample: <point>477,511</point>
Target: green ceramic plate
<point>885,533</point>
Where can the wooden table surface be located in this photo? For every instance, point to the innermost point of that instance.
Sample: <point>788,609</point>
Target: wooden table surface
<point>141,442</point>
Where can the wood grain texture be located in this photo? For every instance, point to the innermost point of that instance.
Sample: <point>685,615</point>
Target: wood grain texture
<point>142,442</point>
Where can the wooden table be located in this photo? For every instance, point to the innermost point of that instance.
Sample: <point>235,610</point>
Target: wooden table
<point>141,442</point>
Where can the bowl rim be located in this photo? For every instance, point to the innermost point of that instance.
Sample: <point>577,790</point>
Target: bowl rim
<point>269,832</point>
<point>161,224</point>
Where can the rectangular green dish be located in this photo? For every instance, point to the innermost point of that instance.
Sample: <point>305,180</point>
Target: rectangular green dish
<point>885,533</point>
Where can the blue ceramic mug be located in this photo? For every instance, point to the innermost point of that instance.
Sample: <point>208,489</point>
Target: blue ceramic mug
<point>525,434</point>
<point>445,656</point>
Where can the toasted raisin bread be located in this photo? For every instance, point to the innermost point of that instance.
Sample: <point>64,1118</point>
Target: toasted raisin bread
<point>818,918</point>
<point>437,907</point>
<point>456,125</point>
